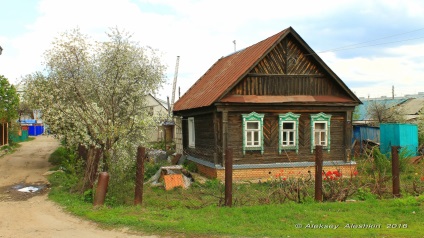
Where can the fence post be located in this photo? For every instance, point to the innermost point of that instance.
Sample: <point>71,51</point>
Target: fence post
<point>395,171</point>
<point>318,173</point>
<point>139,176</point>
<point>101,190</point>
<point>228,177</point>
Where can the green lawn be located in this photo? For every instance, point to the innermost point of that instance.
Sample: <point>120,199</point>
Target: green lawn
<point>262,209</point>
<point>402,217</point>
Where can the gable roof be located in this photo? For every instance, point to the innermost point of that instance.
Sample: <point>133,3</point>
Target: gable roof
<point>362,110</point>
<point>229,70</point>
<point>160,102</point>
<point>413,106</point>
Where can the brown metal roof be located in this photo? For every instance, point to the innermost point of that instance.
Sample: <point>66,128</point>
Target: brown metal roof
<point>284,99</point>
<point>223,74</point>
<point>226,72</point>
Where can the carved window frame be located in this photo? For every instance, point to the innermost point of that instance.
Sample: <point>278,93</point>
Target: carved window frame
<point>288,118</point>
<point>321,118</point>
<point>255,118</point>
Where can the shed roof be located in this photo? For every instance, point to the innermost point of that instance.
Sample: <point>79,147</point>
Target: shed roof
<point>413,106</point>
<point>228,71</point>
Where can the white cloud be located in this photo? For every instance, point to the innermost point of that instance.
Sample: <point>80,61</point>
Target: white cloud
<point>375,76</point>
<point>202,31</point>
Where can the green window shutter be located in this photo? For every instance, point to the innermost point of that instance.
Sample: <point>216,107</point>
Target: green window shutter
<point>288,118</point>
<point>320,133</point>
<point>253,137</point>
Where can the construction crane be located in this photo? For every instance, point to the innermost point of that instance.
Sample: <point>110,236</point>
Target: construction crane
<point>174,84</point>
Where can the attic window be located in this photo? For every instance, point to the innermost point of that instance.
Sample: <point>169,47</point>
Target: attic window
<point>253,138</point>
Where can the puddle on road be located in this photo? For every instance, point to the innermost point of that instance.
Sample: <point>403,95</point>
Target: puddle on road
<point>28,189</point>
<point>22,192</point>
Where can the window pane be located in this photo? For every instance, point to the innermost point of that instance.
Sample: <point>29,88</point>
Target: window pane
<point>288,125</point>
<point>291,134</point>
<point>252,125</point>
<point>323,138</point>
<point>249,137</point>
<point>317,138</point>
<point>191,132</point>
<point>256,136</point>
<point>320,126</point>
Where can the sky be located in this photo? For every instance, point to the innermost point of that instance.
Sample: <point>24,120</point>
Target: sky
<point>371,45</point>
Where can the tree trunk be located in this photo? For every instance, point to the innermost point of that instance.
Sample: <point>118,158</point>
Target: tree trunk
<point>91,167</point>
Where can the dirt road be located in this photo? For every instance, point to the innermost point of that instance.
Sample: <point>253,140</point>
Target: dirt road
<point>31,214</point>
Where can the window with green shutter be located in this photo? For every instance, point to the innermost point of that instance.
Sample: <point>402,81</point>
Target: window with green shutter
<point>320,131</point>
<point>253,138</point>
<point>289,136</point>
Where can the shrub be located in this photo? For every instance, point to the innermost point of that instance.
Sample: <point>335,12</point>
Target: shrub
<point>88,196</point>
<point>190,166</point>
<point>214,184</point>
<point>364,194</point>
<point>59,156</point>
<point>63,181</point>
<point>150,168</point>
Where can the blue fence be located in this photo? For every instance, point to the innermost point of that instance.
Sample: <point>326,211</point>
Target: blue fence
<point>35,130</point>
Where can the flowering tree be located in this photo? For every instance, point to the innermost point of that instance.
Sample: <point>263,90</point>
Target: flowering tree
<point>9,101</point>
<point>94,93</point>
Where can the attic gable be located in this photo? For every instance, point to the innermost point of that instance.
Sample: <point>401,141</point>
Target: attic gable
<point>288,57</point>
<point>288,69</point>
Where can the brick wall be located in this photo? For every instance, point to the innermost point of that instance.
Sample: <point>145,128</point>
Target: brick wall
<point>271,173</point>
<point>207,171</point>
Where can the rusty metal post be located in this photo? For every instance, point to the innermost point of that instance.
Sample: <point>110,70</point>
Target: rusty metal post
<point>228,177</point>
<point>318,173</point>
<point>139,176</point>
<point>395,171</point>
<point>99,198</point>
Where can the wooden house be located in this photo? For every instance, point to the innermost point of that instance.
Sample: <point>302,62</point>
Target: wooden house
<point>271,103</point>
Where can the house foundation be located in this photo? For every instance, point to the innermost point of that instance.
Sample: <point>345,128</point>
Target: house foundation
<point>266,172</point>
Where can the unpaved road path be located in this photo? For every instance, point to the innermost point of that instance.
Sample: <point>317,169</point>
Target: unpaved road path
<point>32,214</point>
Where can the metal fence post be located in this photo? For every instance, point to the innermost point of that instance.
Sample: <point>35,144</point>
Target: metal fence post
<point>101,190</point>
<point>229,177</point>
<point>318,173</point>
<point>395,171</point>
<point>139,176</point>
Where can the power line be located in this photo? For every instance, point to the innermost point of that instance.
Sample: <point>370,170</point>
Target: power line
<point>385,37</point>
<point>360,45</point>
<point>385,43</point>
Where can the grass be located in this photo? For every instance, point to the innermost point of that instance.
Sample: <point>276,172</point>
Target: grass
<point>9,149</point>
<point>12,146</point>
<point>171,213</point>
<point>197,211</point>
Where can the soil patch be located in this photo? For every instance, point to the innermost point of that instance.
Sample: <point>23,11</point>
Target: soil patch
<point>29,213</point>
<point>22,191</point>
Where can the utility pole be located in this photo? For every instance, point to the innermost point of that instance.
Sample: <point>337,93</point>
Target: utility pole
<point>174,85</point>
<point>393,91</point>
